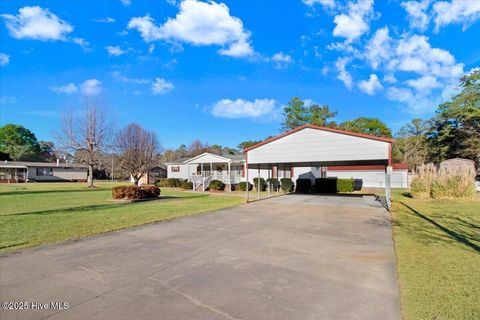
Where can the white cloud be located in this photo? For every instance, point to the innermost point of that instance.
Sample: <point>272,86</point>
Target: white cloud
<point>417,13</point>
<point>161,86</point>
<point>8,100</point>
<point>323,3</point>
<point>37,23</point>
<point>91,87</point>
<point>104,20</point>
<point>424,84</point>
<point>66,89</point>
<point>371,85</point>
<point>353,23</point>
<point>390,78</point>
<point>121,78</point>
<point>378,48</point>
<point>151,48</point>
<point>146,26</point>
<point>281,60</point>
<point>4,59</point>
<point>464,12</point>
<point>341,46</point>
<point>115,51</point>
<point>239,108</point>
<point>82,43</point>
<point>126,3</point>
<point>201,24</point>
<point>343,74</point>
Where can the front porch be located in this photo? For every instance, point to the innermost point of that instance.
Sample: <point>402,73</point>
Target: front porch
<point>13,174</point>
<point>207,167</point>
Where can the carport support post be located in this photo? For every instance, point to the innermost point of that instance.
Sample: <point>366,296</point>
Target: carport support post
<point>388,174</point>
<point>268,182</point>
<point>248,183</point>
<point>258,183</point>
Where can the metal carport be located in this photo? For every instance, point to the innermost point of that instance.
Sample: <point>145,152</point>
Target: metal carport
<point>315,146</point>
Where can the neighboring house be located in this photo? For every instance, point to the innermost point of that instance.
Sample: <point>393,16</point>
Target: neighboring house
<point>155,174</point>
<point>19,171</point>
<point>207,166</point>
<point>230,169</point>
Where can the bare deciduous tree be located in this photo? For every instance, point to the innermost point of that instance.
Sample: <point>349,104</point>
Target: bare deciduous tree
<point>139,150</point>
<point>86,134</point>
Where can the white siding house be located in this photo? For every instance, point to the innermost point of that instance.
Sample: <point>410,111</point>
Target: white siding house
<point>20,171</point>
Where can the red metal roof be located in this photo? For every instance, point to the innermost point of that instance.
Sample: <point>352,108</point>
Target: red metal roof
<point>311,126</point>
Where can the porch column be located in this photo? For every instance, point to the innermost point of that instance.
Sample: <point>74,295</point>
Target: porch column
<point>229,176</point>
<point>203,178</point>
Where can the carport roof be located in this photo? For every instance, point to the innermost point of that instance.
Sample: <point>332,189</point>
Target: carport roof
<point>311,126</point>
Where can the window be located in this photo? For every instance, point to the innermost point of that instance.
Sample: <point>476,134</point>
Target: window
<point>176,169</point>
<point>44,172</point>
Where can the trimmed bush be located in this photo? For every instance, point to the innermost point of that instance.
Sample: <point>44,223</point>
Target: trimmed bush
<point>287,184</point>
<point>162,183</point>
<point>151,191</point>
<point>242,186</point>
<point>174,182</point>
<point>119,192</point>
<point>216,185</point>
<point>274,183</point>
<point>345,185</point>
<point>325,185</point>
<point>263,184</point>
<point>303,185</point>
<point>134,193</point>
<point>187,185</point>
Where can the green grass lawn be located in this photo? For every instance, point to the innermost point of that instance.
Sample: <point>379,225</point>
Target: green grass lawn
<point>35,214</point>
<point>437,246</point>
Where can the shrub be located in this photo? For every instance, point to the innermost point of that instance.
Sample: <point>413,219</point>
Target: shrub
<point>345,185</point>
<point>174,182</point>
<point>263,184</point>
<point>303,185</point>
<point>216,185</point>
<point>325,185</point>
<point>243,186</point>
<point>454,183</point>
<point>274,183</point>
<point>287,184</point>
<point>445,183</point>
<point>187,185</point>
<point>162,183</point>
<point>134,193</point>
<point>421,186</point>
<point>118,192</point>
<point>151,191</point>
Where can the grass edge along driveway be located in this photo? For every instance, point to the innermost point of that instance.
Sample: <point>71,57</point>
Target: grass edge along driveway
<point>38,214</point>
<point>437,248</point>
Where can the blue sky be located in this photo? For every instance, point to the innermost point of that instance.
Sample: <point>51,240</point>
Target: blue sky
<point>221,71</point>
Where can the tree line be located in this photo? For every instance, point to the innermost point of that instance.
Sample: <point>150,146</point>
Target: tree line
<point>89,136</point>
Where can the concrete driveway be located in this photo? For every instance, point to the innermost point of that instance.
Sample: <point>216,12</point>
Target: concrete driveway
<point>292,257</point>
